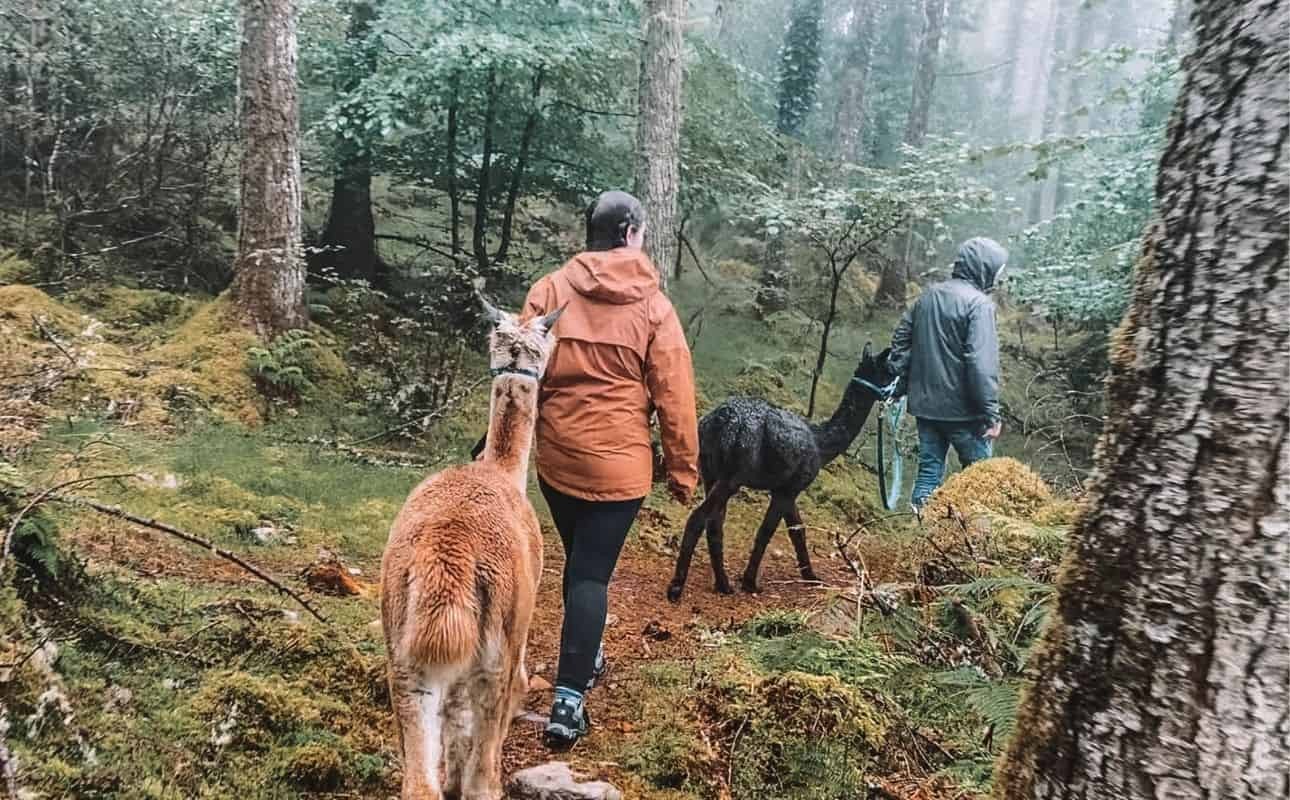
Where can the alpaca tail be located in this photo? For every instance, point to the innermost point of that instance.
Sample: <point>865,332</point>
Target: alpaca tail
<point>444,614</point>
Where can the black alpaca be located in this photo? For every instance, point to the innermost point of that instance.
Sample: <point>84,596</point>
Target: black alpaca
<point>746,441</point>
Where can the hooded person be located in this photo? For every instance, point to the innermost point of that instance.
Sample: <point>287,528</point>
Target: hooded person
<point>946,349</point>
<point>620,358</point>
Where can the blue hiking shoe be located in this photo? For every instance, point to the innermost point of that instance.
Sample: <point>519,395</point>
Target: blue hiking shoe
<point>568,720</point>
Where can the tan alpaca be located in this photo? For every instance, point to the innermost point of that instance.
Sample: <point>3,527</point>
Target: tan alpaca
<point>458,581</point>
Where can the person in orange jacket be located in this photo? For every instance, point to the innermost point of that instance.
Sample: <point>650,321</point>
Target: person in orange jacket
<point>620,358</point>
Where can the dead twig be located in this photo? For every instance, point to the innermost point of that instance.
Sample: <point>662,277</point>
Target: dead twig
<point>119,513</point>
<point>13,526</point>
<point>54,340</point>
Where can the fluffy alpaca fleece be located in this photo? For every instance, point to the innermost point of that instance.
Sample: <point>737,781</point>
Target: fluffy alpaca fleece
<point>458,581</point>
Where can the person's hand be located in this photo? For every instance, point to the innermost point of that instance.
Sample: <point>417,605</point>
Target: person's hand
<point>681,494</point>
<point>994,431</point>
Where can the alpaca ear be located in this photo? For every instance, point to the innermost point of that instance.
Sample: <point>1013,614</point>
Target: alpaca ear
<point>493,314</point>
<point>547,322</point>
<point>867,355</point>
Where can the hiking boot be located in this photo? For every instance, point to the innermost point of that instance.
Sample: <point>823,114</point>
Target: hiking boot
<point>917,508</point>
<point>599,668</point>
<point>568,721</point>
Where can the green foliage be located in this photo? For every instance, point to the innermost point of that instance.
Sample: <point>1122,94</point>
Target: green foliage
<point>994,702</point>
<point>281,368</point>
<point>34,543</point>
<point>1080,262</point>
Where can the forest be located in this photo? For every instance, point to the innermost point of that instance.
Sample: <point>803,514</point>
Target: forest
<point>243,249</point>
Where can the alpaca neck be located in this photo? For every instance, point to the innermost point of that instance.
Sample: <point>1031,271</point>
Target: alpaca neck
<point>512,415</point>
<point>836,434</point>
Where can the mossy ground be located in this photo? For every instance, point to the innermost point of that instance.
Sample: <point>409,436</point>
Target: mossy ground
<point>189,679</point>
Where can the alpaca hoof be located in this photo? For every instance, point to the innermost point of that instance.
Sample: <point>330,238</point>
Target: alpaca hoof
<point>810,577</point>
<point>674,592</point>
<point>724,587</point>
<point>749,585</point>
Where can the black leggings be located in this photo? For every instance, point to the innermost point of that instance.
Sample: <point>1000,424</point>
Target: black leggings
<point>593,533</point>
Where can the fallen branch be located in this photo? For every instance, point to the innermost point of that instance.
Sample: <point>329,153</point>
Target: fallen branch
<point>119,513</point>
<point>13,526</point>
<point>54,340</point>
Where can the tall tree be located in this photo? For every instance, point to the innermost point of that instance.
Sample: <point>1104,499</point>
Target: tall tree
<point>1165,670</point>
<point>269,279</point>
<point>929,49</point>
<point>658,128</point>
<point>1061,18</point>
<point>848,127</point>
<point>349,237</point>
<point>893,284</point>
<point>1014,48</point>
<point>799,73</point>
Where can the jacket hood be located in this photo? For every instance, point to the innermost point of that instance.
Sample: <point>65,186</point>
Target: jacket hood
<point>979,261</point>
<point>618,276</point>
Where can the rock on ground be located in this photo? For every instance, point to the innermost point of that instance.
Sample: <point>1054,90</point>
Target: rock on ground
<point>555,781</point>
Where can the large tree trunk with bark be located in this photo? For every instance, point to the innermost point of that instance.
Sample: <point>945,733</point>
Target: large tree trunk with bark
<point>658,128</point>
<point>848,127</point>
<point>929,49</point>
<point>349,237</point>
<point>1164,672</point>
<point>269,280</point>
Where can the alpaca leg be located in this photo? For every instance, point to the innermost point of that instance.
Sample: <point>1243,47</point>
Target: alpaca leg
<point>774,513</point>
<point>418,707</point>
<point>458,732</point>
<point>716,547</point>
<point>797,533</point>
<point>694,526</point>
<point>490,698</point>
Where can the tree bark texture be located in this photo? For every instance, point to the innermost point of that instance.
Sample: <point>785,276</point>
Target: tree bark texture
<point>929,48</point>
<point>517,168</point>
<point>1164,671</point>
<point>856,70</point>
<point>658,128</point>
<point>350,233</point>
<point>269,280</point>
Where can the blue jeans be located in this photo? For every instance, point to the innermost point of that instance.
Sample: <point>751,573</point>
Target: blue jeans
<point>934,440</point>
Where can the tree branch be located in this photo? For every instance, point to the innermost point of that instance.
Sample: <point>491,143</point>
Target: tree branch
<point>119,513</point>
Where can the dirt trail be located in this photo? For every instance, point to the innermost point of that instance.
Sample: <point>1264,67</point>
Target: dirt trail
<point>637,599</point>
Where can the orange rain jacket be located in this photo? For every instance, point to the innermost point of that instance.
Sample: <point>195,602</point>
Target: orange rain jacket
<point>620,355</point>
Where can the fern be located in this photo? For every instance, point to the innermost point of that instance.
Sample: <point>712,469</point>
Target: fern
<point>995,702</point>
<point>281,367</point>
<point>982,588</point>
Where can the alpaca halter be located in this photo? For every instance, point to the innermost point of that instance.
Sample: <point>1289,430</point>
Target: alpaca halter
<point>528,373</point>
<point>883,392</point>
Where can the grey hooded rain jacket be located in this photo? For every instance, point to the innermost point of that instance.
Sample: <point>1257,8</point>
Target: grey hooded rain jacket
<point>946,345</point>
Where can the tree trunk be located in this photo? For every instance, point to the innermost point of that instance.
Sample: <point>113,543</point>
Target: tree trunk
<point>1074,115</point>
<point>1164,673</point>
<point>1055,86</point>
<point>269,280</point>
<point>517,170</point>
<point>658,128</point>
<point>848,125</point>
<point>350,232</point>
<point>479,240</point>
<point>929,48</point>
<point>1014,49</point>
<point>822,356</point>
<point>454,191</point>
